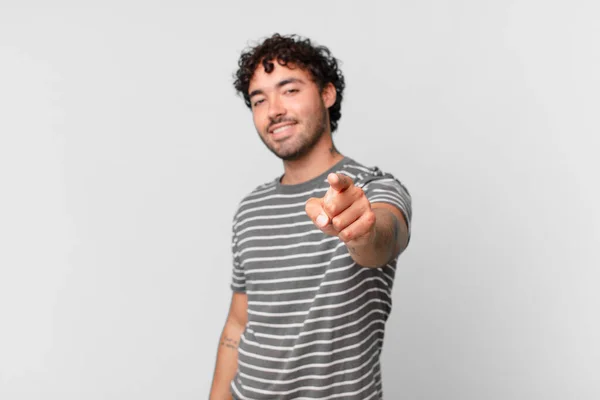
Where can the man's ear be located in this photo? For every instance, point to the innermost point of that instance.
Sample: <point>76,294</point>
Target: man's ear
<point>329,95</point>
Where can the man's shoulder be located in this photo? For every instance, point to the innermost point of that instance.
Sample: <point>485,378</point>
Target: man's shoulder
<point>371,176</point>
<point>362,173</point>
<point>256,195</point>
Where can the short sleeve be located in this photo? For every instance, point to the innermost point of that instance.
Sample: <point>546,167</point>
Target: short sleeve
<point>380,187</point>
<point>238,278</point>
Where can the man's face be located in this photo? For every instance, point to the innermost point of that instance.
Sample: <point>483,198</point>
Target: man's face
<point>289,112</point>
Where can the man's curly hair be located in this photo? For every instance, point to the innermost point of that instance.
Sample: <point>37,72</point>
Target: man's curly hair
<point>297,51</point>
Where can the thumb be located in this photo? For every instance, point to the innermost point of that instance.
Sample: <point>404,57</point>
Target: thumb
<point>315,212</point>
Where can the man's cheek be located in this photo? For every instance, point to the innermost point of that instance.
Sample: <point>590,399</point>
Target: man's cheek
<point>259,122</point>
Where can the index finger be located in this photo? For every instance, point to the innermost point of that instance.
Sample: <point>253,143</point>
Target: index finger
<point>339,181</point>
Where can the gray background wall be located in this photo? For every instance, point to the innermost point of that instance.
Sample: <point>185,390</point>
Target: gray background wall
<point>124,151</point>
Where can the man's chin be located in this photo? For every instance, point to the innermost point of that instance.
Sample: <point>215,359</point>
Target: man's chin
<point>289,155</point>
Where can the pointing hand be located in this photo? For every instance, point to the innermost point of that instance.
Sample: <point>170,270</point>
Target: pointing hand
<point>344,211</point>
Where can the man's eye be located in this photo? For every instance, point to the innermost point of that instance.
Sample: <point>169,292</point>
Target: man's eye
<point>256,103</point>
<point>291,90</point>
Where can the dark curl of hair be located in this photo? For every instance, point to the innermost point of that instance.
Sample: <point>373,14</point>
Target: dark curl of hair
<point>297,51</point>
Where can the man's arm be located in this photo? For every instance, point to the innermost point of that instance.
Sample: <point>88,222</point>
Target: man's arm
<point>389,237</point>
<point>227,354</point>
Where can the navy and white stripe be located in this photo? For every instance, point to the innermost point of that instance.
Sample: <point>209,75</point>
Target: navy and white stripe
<point>316,319</point>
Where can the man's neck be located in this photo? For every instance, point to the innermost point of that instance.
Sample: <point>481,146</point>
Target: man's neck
<point>320,159</point>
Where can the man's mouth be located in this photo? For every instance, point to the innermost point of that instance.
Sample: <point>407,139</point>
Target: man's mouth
<point>279,128</point>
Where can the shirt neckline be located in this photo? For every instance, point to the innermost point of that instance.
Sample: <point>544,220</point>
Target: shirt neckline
<point>311,183</point>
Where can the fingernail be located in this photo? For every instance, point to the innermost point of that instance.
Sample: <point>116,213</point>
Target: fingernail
<point>321,220</point>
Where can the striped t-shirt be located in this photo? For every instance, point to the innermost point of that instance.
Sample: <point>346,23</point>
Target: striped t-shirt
<point>315,318</point>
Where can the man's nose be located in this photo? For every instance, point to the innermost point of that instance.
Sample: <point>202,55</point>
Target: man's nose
<point>276,108</point>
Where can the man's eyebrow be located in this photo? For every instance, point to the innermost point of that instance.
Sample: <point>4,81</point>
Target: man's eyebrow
<point>255,93</point>
<point>280,84</point>
<point>288,81</point>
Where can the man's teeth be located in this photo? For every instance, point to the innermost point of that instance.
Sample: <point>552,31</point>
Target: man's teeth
<point>283,128</point>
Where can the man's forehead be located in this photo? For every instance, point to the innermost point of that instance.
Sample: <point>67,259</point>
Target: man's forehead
<point>279,72</point>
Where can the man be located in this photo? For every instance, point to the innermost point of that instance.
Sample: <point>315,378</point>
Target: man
<point>314,250</point>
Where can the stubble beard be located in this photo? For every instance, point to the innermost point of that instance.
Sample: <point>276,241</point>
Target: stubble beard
<point>303,141</point>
